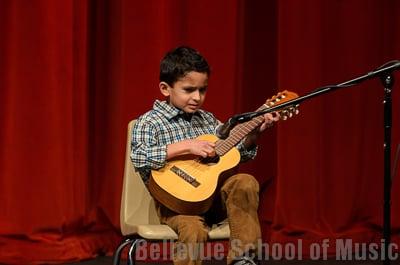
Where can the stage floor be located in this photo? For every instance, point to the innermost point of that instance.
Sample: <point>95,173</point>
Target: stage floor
<point>108,261</point>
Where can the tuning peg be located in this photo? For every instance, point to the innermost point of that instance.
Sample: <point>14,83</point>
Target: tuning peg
<point>296,109</point>
<point>284,115</point>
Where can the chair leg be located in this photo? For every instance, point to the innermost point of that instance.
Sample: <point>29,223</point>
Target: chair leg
<point>117,254</point>
<point>132,252</point>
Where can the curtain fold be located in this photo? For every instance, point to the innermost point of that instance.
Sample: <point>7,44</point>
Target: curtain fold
<point>74,73</point>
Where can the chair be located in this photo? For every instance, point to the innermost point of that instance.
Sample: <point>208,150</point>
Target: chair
<point>138,217</point>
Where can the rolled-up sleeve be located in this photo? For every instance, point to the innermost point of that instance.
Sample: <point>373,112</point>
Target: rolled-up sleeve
<point>245,154</point>
<point>145,149</point>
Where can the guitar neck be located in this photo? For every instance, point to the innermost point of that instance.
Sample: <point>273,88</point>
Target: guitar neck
<point>238,133</point>
<point>242,130</point>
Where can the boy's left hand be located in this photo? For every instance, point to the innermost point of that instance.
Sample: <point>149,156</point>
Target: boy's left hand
<point>269,120</point>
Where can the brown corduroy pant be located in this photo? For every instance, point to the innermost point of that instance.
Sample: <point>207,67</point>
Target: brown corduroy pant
<point>238,201</point>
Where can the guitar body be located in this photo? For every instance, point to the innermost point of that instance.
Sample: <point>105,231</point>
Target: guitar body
<point>187,185</point>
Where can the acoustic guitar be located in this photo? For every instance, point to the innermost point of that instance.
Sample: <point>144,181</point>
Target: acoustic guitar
<point>187,184</point>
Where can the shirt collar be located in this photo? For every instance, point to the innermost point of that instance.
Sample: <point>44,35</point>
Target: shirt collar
<point>170,111</point>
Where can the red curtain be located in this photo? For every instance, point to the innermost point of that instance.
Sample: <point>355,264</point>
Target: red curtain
<point>73,73</point>
<point>330,159</point>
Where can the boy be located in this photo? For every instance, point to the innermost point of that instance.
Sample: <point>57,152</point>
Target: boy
<point>169,130</point>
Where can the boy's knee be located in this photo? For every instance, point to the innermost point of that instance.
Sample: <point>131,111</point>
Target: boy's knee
<point>246,182</point>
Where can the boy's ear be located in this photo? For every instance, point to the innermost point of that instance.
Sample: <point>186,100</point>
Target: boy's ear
<point>164,88</point>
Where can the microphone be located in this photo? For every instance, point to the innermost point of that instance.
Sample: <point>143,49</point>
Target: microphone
<point>223,130</point>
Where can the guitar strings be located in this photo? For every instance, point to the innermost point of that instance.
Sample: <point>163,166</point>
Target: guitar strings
<point>196,166</point>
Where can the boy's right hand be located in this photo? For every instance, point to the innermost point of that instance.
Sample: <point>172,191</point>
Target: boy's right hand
<point>191,146</point>
<point>201,148</point>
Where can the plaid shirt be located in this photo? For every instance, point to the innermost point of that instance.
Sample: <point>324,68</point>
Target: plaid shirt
<point>163,125</point>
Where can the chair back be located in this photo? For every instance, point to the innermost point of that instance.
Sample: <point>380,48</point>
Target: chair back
<point>137,205</point>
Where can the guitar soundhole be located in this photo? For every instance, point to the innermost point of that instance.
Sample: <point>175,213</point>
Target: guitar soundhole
<point>210,160</point>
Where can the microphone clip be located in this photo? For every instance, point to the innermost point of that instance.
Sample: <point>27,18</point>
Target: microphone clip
<point>224,130</point>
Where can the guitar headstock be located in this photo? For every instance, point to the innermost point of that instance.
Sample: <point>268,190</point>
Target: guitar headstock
<point>282,97</point>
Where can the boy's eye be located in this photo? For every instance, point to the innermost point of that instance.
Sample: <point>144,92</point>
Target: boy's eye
<point>203,90</point>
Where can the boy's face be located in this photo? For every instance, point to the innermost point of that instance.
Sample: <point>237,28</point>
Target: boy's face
<point>188,93</point>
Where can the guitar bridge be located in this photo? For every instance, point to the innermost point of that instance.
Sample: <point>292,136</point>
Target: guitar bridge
<point>185,176</point>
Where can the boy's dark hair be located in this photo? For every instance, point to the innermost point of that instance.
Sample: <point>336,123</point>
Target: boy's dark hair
<point>180,61</point>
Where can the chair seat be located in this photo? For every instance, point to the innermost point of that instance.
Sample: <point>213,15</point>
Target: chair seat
<point>164,232</point>
<point>220,231</point>
<point>154,232</point>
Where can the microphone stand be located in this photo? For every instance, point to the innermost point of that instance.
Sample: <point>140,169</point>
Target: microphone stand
<point>387,82</point>
<point>385,74</point>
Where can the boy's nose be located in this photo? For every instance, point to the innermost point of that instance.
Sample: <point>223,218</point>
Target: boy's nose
<point>196,95</point>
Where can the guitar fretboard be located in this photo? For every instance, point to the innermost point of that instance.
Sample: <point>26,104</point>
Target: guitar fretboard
<point>238,133</point>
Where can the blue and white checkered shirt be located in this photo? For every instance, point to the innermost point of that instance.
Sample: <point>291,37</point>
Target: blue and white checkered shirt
<point>166,124</point>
